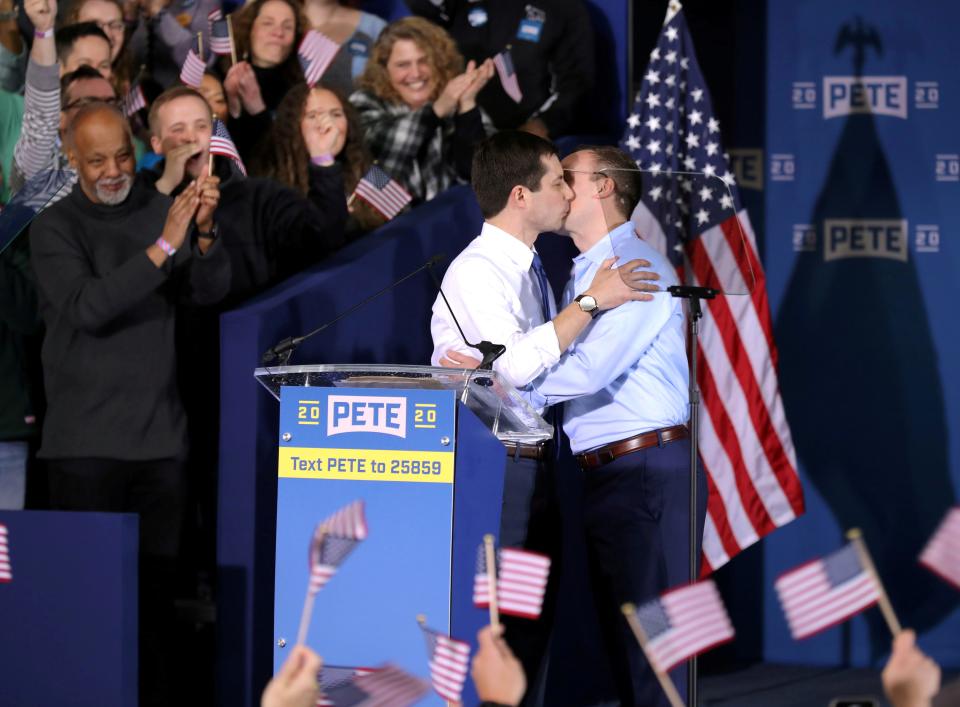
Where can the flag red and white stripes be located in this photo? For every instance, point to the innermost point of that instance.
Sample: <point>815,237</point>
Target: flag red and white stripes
<point>521,582</point>
<point>191,73</point>
<point>333,540</point>
<point>335,676</point>
<point>503,62</point>
<point>6,571</point>
<point>382,193</point>
<point>449,661</point>
<point>825,592</point>
<point>387,686</point>
<point>684,622</point>
<point>220,41</point>
<point>316,51</point>
<point>942,553</point>
<point>133,101</point>
<point>222,144</point>
<point>745,441</point>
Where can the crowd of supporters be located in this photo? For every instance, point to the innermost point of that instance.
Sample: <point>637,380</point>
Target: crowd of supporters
<point>80,322</point>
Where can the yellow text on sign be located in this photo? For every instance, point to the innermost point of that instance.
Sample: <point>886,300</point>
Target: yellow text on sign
<point>366,465</point>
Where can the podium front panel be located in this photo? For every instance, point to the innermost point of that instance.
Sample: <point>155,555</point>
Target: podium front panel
<point>394,449</point>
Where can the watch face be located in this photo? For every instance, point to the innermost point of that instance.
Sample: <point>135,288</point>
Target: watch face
<point>587,303</point>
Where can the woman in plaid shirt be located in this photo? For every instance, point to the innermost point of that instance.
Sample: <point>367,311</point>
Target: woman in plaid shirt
<point>418,107</point>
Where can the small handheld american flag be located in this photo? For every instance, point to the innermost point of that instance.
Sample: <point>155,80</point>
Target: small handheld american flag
<point>682,623</point>
<point>133,101</point>
<point>521,582</point>
<point>449,661</point>
<point>6,572</point>
<point>222,144</point>
<point>220,40</point>
<point>382,193</point>
<point>333,540</point>
<point>942,553</point>
<point>191,73</point>
<point>508,75</point>
<point>316,51</point>
<point>387,686</point>
<point>334,676</point>
<point>827,591</point>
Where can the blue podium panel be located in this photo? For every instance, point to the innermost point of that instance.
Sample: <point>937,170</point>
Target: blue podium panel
<point>394,449</point>
<point>68,616</point>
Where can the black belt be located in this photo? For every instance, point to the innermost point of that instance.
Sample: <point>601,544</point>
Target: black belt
<point>614,450</point>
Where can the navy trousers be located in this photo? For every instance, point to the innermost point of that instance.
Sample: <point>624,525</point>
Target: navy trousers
<point>530,519</point>
<point>636,511</point>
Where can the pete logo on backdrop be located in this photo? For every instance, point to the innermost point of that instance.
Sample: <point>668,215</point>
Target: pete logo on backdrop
<point>366,413</point>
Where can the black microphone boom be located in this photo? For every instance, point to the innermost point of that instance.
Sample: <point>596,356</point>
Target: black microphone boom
<point>491,352</point>
<point>283,349</point>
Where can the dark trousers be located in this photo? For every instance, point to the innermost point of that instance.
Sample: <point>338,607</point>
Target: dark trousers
<point>636,511</point>
<point>153,490</point>
<point>530,519</point>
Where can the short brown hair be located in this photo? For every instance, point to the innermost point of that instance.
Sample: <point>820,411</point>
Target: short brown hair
<point>503,161</point>
<point>168,96</point>
<point>617,165</point>
<point>445,60</point>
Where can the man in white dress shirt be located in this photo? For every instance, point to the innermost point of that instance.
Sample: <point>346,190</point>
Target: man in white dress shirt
<point>498,291</point>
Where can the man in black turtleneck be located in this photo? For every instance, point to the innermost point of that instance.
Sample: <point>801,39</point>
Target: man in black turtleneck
<point>112,260</point>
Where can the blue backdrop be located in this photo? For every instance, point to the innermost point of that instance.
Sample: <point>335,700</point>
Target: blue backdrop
<point>861,198</point>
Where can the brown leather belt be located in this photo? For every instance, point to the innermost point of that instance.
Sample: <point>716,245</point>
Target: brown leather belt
<point>608,452</point>
<point>526,451</point>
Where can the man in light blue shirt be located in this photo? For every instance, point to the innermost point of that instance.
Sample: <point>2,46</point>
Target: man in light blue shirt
<point>624,385</point>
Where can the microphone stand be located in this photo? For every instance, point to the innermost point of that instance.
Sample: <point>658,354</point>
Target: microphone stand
<point>693,295</point>
<point>283,350</point>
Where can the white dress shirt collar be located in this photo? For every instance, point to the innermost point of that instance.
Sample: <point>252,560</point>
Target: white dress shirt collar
<point>516,251</point>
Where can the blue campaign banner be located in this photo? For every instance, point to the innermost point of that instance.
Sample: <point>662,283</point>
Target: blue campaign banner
<point>340,445</point>
<point>862,206</point>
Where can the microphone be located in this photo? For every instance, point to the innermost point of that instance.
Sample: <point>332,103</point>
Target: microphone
<point>491,352</point>
<point>283,349</point>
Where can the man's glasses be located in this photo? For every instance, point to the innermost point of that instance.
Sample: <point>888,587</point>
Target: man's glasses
<point>115,26</point>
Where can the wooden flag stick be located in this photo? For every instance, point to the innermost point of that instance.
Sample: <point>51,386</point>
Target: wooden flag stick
<point>492,581</point>
<point>233,48</point>
<point>886,608</point>
<point>630,612</point>
<point>307,612</point>
<point>200,44</point>
<point>353,198</point>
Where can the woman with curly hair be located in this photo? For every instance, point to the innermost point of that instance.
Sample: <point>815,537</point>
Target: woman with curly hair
<point>312,127</point>
<point>108,16</point>
<point>266,34</point>
<point>418,106</point>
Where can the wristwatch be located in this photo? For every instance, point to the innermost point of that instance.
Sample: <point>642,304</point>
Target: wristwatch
<point>588,304</point>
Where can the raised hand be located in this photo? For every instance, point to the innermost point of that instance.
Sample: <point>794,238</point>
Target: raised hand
<point>321,137</point>
<point>174,166</point>
<point>481,75</point>
<point>42,13</point>
<point>449,97</point>
<point>208,190</point>
<point>180,215</point>
<point>243,91</point>
<point>295,685</point>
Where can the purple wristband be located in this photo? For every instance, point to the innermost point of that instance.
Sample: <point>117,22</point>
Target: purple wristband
<point>43,34</point>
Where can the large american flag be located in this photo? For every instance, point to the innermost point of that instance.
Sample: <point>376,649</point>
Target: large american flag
<point>942,553</point>
<point>6,572</point>
<point>508,75</point>
<point>220,41</point>
<point>388,686</point>
<point>382,193</point>
<point>449,661</point>
<point>222,144</point>
<point>684,622</point>
<point>827,591</point>
<point>333,540</point>
<point>191,73</point>
<point>316,51</point>
<point>695,219</point>
<point>521,582</point>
